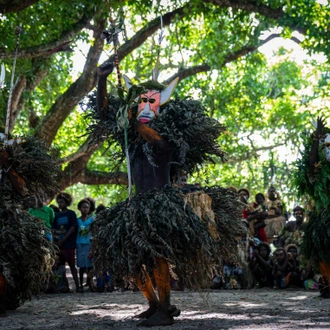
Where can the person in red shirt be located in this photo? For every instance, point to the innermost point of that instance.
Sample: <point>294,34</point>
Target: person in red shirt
<point>259,215</point>
<point>254,213</point>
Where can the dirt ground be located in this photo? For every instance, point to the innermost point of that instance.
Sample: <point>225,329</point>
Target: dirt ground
<point>219,309</point>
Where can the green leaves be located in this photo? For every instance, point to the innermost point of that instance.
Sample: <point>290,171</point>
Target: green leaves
<point>265,101</point>
<point>129,100</point>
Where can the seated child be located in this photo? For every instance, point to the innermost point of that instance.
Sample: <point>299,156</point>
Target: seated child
<point>282,267</point>
<point>104,282</point>
<point>297,276</point>
<point>261,266</point>
<point>59,282</point>
<point>233,274</point>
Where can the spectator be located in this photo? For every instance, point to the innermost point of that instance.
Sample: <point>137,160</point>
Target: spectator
<point>297,274</point>
<point>275,220</point>
<point>244,195</point>
<point>65,232</point>
<point>232,189</point>
<point>92,205</point>
<point>261,266</point>
<point>83,247</point>
<point>291,232</point>
<point>257,218</point>
<point>46,214</point>
<point>99,208</point>
<point>233,274</point>
<point>281,269</point>
<point>59,282</point>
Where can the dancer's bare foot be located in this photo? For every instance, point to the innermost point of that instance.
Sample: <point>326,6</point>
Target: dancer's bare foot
<point>174,311</point>
<point>161,318</point>
<point>149,312</point>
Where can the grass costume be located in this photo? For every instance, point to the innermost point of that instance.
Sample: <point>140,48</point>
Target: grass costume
<point>313,180</point>
<point>26,255</point>
<point>158,227</point>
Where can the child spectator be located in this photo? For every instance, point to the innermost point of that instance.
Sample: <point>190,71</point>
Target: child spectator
<point>45,213</point>
<point>257,218</point>
<point>65,232</point>
<point>281,269</point>
<point>92,205</point>
<point>59,282</point>
<point>244,195</point>
<point>297,276</point>
<point>99,208</point>
<point>275,220</point>
<point>233,276</point>
<point>84,261</point>
<point>261,266</point>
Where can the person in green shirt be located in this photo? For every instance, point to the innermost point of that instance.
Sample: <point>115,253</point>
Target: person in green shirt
<point>46,214</point>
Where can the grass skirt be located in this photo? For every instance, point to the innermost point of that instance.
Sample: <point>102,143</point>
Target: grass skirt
<point>159,223</point>
<point>26,255</point>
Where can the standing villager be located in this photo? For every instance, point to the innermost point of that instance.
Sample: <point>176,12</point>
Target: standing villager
<point>313,180</point>
<point>26,255</point>
<point>65,229</point>
<point>156,227</point>
<point>275,220</point>
<point>84,260</point>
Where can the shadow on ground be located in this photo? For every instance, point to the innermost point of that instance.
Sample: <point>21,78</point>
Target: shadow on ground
<point>243,309</point>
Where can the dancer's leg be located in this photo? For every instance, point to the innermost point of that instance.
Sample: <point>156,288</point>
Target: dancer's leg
<point>148,291</point>
<point>165,312</point>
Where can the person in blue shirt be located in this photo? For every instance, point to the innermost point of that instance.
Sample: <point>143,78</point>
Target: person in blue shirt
<point>65,232</point>
<point>84,260</point>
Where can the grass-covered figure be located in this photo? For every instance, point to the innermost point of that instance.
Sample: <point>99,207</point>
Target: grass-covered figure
<point>26,255</point>
<point>144,234</point>
<point>313,180</point>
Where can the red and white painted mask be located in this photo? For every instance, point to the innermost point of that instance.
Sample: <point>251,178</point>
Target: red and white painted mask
<point>150,102</point>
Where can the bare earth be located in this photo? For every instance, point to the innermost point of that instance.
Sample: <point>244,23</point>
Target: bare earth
<point>221,309</point>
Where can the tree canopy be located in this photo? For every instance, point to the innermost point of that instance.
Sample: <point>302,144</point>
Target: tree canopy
<point>213,46</point>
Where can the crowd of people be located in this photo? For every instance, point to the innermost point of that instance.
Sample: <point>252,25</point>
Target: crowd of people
<point>71,235</point>
<point>271,251</point>
<point>270,256</point>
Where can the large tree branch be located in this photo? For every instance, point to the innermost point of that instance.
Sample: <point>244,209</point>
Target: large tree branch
<point>92,143</point>
<point>16,96</point>
<point>191,71</point>
<point>95,178</point>
<point>65,103</point>
<point>39,71</point>
<point>44,50</point>
<point>85,83</point>
<point>7,6</point>
<point>138,39</point>
<point>76,170</point>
